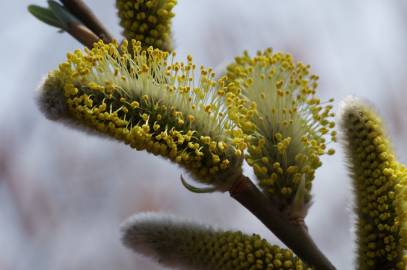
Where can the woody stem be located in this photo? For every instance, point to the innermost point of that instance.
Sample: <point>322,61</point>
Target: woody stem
<point>293,234</point>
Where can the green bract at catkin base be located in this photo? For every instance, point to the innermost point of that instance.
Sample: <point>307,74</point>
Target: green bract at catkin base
<point>186,245</point>
<point>147,21</point>
<point>273,100</point>
<point>150,104</point>
<point>380,208</point>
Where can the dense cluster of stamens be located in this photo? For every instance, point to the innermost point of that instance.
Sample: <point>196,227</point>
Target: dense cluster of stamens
<point>380,207</point>
<point>187,245</point>
<point>148,21</point>
<point>273,100</point>
<point>151,103</point>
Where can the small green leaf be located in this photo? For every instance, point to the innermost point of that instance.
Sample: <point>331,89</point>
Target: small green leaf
<point>62,14</point>
<point>196,189</point>
<point>45,15</point>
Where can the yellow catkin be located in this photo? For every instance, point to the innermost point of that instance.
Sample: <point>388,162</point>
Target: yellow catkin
<point>380,206</point>
<point>151,103</point>
<point>273,100</point>
<point>401,208</point>
<point>147,21</point>
<point>185,245</point>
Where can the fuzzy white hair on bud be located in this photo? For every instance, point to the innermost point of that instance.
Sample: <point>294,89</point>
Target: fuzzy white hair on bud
<point>148,233</point>
<point>51,100</point>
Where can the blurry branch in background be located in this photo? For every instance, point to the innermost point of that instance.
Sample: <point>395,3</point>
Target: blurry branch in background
<point>7,144</point>
<point>31,204</point>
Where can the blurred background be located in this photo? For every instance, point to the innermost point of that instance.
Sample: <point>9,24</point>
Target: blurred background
<point>63,194</point>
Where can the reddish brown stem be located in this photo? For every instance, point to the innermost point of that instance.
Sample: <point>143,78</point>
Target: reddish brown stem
<point>294,235</point>
<point>88,18</point>
<point>82,34</point>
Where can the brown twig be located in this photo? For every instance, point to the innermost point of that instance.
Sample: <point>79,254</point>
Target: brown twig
<point>82,34</point>
<point>85,15</point>
<point>292,234</point>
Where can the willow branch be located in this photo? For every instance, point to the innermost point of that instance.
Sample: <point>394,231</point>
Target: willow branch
<point>293,234</point>
<point>85,14</point>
